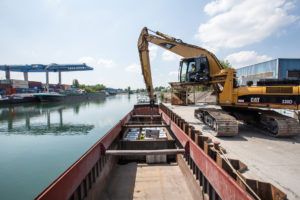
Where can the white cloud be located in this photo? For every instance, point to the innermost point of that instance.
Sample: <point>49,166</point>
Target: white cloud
<point>92,61</point>
<point>244,58</point>
<point>87,60</point>
<point>173,73</point>
<point>169,56</point>
<point>217,6</point>
<point>153,52</point>
<point>106,63</point>
<point>133,68</point>
<point>240,23</point>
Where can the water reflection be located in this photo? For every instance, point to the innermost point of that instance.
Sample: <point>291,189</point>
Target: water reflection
<point>44,119</point>
<point>33,154</point>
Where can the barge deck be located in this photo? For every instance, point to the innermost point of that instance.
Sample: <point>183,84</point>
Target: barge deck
<point>144,181</point>
<point>269,159</point>
<point>136,160</point>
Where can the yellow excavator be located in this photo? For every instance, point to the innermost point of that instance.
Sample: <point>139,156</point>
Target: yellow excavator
<point>252,104</point>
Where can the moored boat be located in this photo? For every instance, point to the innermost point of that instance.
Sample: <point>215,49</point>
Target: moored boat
<point>154,154</point>
<point>17,98</point>
<point>54,96</point>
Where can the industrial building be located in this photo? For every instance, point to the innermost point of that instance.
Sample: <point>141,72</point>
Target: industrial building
<point>273,69</point>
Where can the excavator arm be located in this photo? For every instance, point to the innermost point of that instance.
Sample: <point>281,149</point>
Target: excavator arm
<point>174,45</point>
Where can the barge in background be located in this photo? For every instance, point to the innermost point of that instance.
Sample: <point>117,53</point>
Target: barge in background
<point>53,96</point>
<point>17,99</point>
<point>152,153</point>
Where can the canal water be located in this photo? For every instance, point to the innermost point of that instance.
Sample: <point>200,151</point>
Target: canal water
<point>39,141</point>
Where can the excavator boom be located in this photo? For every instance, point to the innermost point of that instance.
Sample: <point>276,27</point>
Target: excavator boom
<point>171,44</point>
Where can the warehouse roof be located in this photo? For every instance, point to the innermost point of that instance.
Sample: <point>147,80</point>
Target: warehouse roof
<point>43,68</point>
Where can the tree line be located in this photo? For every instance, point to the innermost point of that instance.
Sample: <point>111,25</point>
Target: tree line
<point>88,88</point>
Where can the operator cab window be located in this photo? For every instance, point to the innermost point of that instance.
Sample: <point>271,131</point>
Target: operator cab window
<point>183,71</point>
<point>190,69</point>
<point>203,64</point>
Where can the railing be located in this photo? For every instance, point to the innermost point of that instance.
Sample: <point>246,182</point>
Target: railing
<point>211,169</point>
<point>214,180</point>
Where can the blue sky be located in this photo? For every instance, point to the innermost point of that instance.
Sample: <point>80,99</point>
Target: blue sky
<point>104,35</point>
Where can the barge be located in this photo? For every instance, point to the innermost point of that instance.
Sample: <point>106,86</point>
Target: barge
<point>55,97</point>
<point>17,99</point>
<point>152,153</point>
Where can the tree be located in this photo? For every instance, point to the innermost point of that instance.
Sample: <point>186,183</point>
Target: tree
<point>158,89</point>
<point>225,64</point>
<point>75,83</point>
<point>91,88</point>
<point>99,87</point>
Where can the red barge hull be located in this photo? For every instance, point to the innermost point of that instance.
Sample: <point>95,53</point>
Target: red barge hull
<point>204,170</point>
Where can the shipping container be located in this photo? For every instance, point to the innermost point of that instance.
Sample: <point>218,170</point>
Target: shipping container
<point>3,91</point>
<point>35,86</point>
<point>30,90</point>
<point>21,90</point>
<point>19,86</point>
<point>34,83</point>
<point>8,90</point>
<point>67,86</point>
<point>5,86</point>
<point>21,82</point>
<point>4,81</point>
<point>50,85</point>
<point>273,69</point>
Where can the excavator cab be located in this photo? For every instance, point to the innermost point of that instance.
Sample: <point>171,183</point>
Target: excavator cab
<point>194,70</point>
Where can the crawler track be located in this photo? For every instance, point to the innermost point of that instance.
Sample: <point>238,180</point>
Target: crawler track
<point>219,120</point>
<point>278,125</point>
<point>224,122</point>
